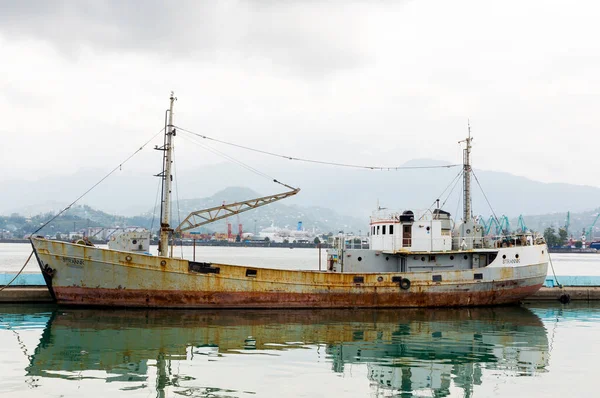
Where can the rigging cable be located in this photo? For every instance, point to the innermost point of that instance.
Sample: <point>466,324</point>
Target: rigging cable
<point>485,196</point>
<point>460,197</point>
<point>238,162</point>
<point>177,196</point>
<point>96,184</point>
<point>155,205</point>
<point>318,161</point>
<point>454,182</point>
<point>496,218</point>
<point>452,190</point>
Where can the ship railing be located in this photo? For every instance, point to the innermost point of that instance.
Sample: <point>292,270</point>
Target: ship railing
<point>511,240</point>
<point>349,242</point>
<point>440,244</point>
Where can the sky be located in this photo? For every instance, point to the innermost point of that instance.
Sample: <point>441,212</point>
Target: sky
<point>83,84</point>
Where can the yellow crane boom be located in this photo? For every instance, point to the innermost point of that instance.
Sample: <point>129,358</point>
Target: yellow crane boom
<point>206,216</point>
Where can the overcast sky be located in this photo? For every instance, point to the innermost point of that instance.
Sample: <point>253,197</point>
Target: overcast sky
<point>85,83</point>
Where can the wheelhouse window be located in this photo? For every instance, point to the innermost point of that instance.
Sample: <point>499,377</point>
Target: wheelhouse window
<point>391,229</point>
<point>383,230</point>
<point>378,230</point>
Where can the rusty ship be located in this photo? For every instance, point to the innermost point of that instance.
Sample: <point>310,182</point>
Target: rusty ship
<point>415,259</point>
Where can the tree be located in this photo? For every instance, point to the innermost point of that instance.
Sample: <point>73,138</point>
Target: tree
<point>317,240</point>
<point>551,238</point>
<point>578,244</point>
<point>563,235</point>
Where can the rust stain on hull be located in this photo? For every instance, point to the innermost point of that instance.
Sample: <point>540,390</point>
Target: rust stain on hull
<point>175,299</point>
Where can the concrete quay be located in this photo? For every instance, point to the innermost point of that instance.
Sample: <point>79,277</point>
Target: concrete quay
<point>25,294</point>
<point>40,294</point>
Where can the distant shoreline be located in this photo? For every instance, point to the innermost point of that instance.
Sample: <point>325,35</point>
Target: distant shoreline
<point>14,240</point>
<point>215,243</point>
<point>571,250</point>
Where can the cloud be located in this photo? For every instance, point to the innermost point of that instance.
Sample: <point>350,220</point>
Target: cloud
<point>317,40</point>
<point>380,82</point>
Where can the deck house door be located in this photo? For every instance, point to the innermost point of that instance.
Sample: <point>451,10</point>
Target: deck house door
<point>406,236</point>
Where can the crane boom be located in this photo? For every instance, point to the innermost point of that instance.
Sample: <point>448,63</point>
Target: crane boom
<point>589,233</point>
<point>206,216</point>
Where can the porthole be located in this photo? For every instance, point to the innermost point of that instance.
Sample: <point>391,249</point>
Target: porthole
<point>468,232</point>
<point>380,279</point>
<point>428,228</point>
<point>504,256</point>
<point>134,241</point>
<point>517,255</point>
<point>359,259</point>
<point>451,257</point>
<point>465,257</point>
<point>163,263</point>
<point>422,258</point>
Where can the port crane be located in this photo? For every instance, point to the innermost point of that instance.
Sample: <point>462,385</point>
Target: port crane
<point>202,217</point>
<point>489,223</point>
<point>504,224</point>
<point>589,234</point>
<point>522,225</point>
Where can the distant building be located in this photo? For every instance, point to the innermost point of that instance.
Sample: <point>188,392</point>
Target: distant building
<point>102,233</point>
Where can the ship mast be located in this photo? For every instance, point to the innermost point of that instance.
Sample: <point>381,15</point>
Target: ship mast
<point>165,208</point>
<point>467,177</point>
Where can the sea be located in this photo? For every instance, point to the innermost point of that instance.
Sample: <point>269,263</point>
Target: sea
<point>538,349</point>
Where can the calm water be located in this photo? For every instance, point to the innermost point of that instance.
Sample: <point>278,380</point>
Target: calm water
<point>541,350</point>
<point>486,352</point>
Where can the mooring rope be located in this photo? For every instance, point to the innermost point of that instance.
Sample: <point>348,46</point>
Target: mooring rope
<point>18,273</point>
<point>553,273</point>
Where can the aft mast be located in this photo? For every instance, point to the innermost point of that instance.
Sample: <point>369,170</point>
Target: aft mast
<point>165,209</point>
<point>467,177</point>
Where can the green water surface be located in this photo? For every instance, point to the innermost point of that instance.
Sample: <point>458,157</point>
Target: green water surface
<point>483,352</point>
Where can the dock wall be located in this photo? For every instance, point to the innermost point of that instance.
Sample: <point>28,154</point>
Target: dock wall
<point>30,288</point>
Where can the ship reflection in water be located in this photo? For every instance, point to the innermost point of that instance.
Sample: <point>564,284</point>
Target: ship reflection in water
<point>417,351</point>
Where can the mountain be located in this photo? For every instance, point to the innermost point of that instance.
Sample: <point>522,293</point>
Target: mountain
<point>351,192</point>
<point>78,217</point>
<point>279,214</point>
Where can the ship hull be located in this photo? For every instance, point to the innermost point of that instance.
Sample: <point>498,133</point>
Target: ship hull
<point>90,276</point>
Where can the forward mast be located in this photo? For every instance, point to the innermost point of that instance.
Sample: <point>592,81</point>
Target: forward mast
<point>165,209</point>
